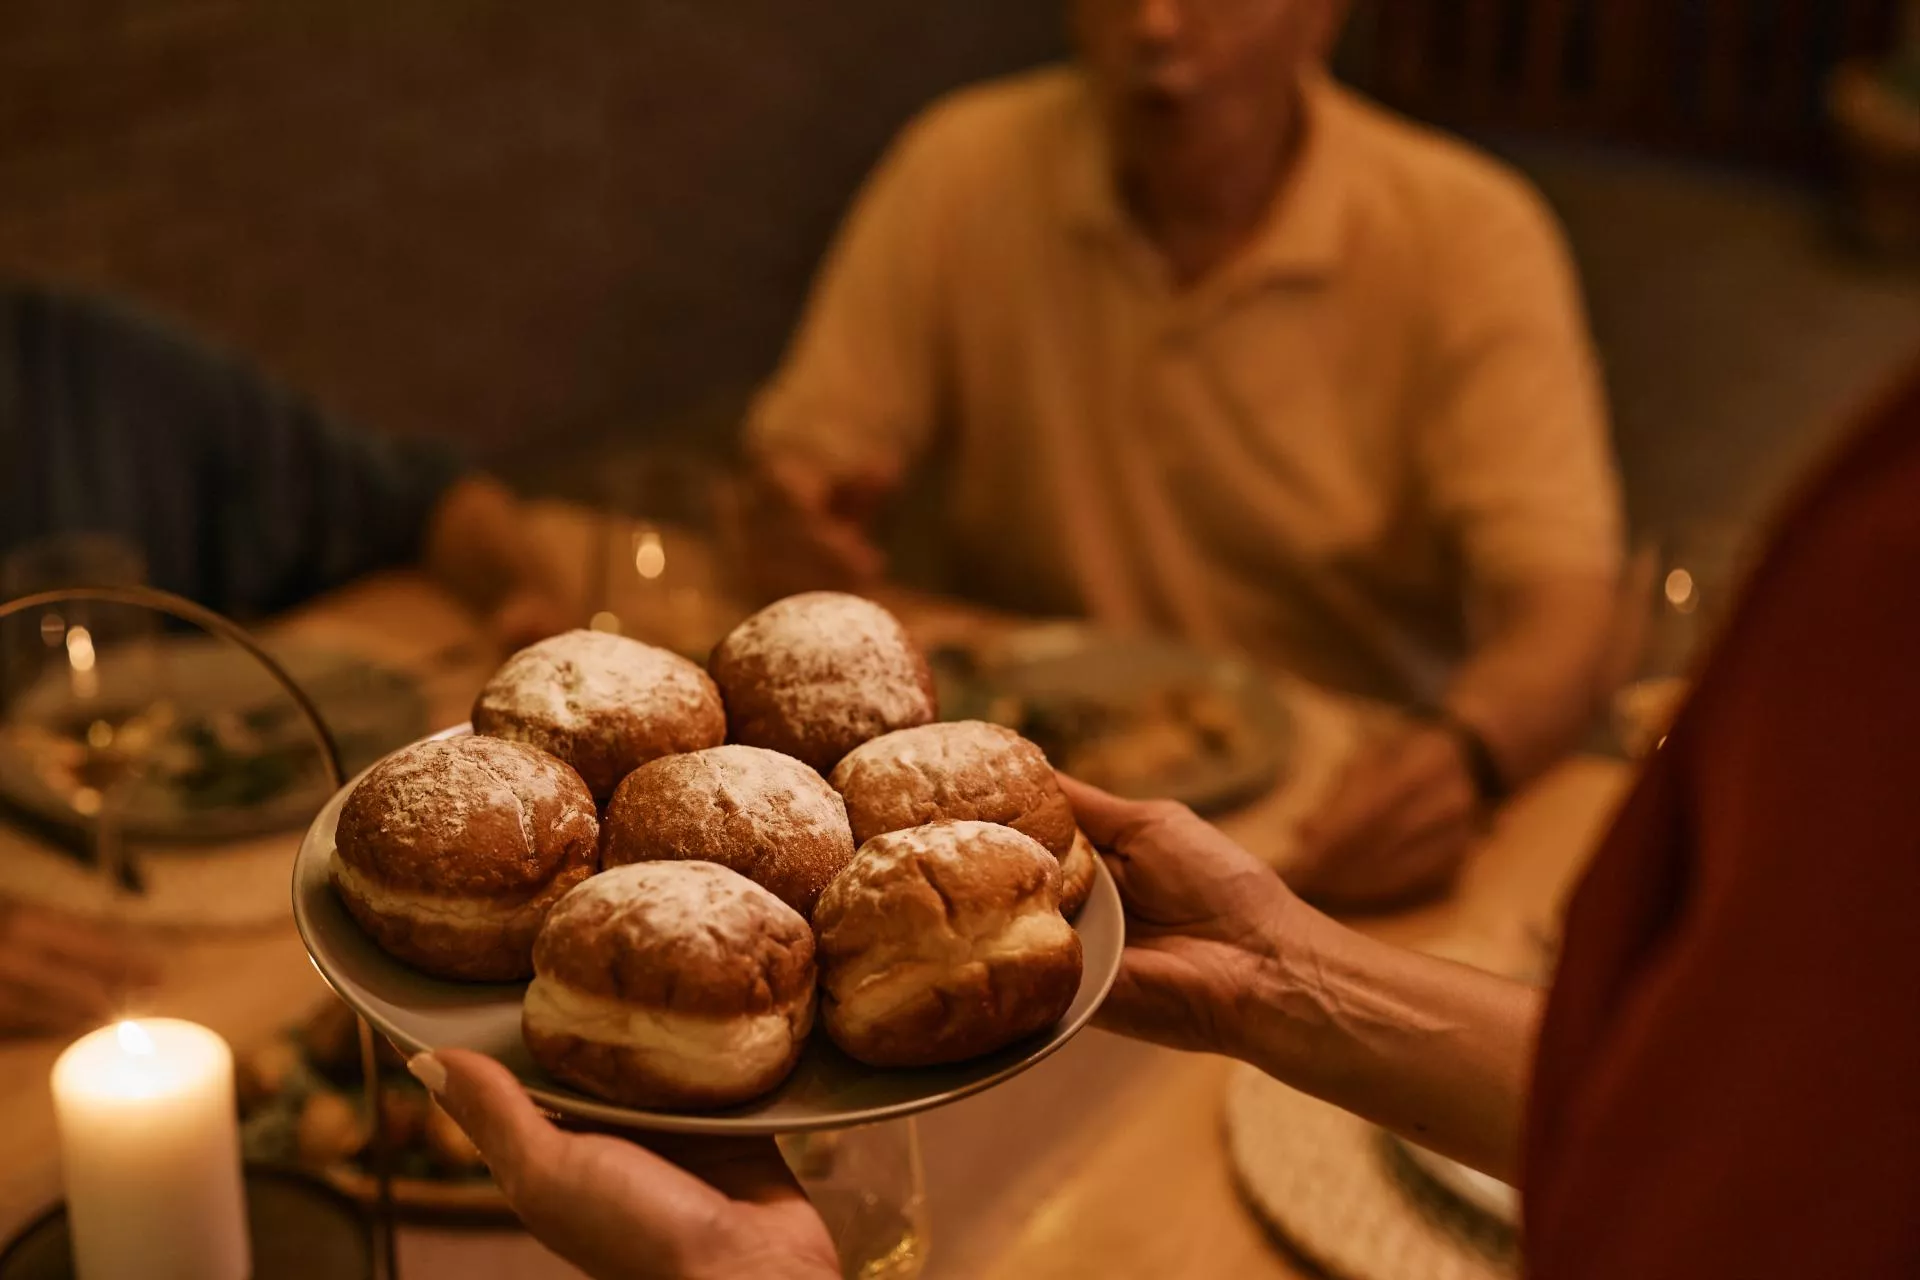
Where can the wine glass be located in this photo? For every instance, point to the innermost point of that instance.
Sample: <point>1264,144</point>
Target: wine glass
<point>83,689</point>
<point>667,552</point>
<point>1697,572</point>
<point>870,1189</point>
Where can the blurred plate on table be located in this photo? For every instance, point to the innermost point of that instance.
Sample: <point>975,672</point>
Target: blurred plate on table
<point>828,1090</point>
<point>234,758</point>
<point>1138,715</point>
<point>303,1104</point>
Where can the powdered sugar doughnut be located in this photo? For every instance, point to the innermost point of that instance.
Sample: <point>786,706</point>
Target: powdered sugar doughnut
<point>1076,874</point>
<point>671,984</point>
<point>816,675</point>
<point>967,770</point>
<point>603,703</point>
<point>762,814</point>
<point>944,942</point>
<point>450,853</point>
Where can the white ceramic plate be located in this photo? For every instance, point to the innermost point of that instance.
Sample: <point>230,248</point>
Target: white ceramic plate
<point>1489,1195</point>
<point>828,1090</point>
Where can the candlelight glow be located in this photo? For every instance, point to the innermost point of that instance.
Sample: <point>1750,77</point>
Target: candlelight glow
<point>150,1153</point>
<point>134,1039</point>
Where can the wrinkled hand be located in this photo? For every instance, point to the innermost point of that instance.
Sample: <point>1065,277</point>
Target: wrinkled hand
<point>619,1211</point>
<point>1396,828</point>
<point>812,530</point>
<point>1204,921</point>
<point>57,973</point>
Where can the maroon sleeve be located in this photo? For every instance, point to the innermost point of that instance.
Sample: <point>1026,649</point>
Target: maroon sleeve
<point>1728,1082</point>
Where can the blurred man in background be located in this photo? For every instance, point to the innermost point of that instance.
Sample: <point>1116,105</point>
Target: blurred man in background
<point>1211,346</point>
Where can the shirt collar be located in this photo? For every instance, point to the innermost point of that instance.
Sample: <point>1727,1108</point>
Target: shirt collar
<point>1304,235</point>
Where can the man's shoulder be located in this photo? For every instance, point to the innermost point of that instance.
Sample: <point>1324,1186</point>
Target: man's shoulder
<point>1443,181</point>
<point>1009,117</point>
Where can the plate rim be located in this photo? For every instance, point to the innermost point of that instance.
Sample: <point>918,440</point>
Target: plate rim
<point>577,1107</point>
<point>1502,1205</point>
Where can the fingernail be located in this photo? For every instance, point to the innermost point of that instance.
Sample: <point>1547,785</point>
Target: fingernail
<point>428,1070</point>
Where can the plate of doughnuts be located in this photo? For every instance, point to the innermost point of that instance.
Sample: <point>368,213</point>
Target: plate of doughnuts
<point>771,896</point>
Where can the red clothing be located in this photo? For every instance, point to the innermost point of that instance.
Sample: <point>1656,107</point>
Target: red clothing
<point>1728,1080</point>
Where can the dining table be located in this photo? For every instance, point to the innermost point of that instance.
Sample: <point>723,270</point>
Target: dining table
<point>1106,1159</point>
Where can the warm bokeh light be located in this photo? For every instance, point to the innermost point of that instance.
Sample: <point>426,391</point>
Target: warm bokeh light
<point>80,648</point>
<point>1681,593</point>
<point>649,555</point>
<point>605,621</point>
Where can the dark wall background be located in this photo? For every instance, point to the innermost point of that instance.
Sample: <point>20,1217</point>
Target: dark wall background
<point>490,219</point>
<point>1741,80</point>
<point>512,222</point>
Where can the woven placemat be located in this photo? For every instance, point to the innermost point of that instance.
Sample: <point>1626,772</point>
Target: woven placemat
<point>1342,1194</point>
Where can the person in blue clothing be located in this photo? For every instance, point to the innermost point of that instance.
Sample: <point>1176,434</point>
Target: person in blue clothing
<point>240,495</point>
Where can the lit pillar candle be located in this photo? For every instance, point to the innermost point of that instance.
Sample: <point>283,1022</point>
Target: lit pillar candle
<point>151,1154</point>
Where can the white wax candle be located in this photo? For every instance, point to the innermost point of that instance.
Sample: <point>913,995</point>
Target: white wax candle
<point>151,1154</point>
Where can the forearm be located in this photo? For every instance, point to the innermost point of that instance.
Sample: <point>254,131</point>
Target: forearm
<point>477,544</point>
<point>1529,687</point>
<point>1436,1052</point>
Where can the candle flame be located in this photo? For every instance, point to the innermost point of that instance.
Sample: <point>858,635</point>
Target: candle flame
<point>134,1039</point>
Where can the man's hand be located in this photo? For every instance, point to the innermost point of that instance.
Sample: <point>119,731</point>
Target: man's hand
<point>1204,919</point>
<point>58,973</point>
<point>812,530</point>
<point>480,547</point>
<point>1396,828</point>
<point>717,1211</point>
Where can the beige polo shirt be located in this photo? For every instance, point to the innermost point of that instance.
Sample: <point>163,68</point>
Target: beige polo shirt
<point>1320,454</point>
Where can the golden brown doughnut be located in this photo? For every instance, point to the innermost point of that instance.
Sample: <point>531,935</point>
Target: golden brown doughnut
<point>944,942</point>
<point>1076,874</point>
<point>816,675</point>
<point>451,852</point>
<point>967,771</point>
<point>605,704</point>
<point>672,985</point>
<point>755,811</point>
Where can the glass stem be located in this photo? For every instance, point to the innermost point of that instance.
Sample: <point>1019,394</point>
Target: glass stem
<point>110,846</point>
